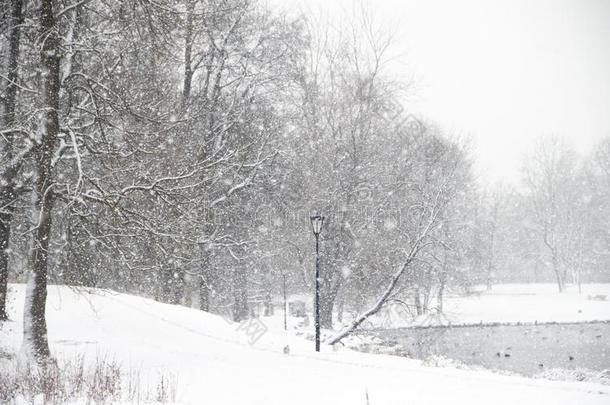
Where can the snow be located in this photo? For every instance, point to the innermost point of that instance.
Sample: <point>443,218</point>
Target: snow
<point>532,302</point>
<point>511,303</point>
<point>213,361</point>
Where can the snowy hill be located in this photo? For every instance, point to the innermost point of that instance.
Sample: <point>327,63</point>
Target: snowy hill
<point>213,361</point>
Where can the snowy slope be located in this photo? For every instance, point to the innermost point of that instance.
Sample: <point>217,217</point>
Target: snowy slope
<point>214,363</point>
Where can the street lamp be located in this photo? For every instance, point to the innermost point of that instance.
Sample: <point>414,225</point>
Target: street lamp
<point>316,226</point>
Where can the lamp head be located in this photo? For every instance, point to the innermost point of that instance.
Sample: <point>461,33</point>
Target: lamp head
<point>316,223</point>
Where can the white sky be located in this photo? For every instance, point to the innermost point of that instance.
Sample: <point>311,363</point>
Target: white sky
<point>501,72</point>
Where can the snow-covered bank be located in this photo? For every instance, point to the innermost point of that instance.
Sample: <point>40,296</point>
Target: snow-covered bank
<point>214,362</point>
<point>508,303</point>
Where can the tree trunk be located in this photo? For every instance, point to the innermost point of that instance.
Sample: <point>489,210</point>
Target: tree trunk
<point>426,304</point>
<point>163,290</point>
<point>7,191</point>
<point>178,287</point>
<point>340,309</point>
<point>442,281</point>
<point>441,291</point>
<point>171,289</point>
<point>188,46</point>
<point>240,294</point>
<point>326,315</point>
<point>268,304</point>
<point>380,302</point>
<point>34,324</point>
<point>204,295</point>
<point>204,288</point>
<point>557,270</point>
<point>327,304</point>
<point>490,262</point>
<point>580,262</point>
<point>3,271</point>
<point>417,302</point>
<point>330,283</point>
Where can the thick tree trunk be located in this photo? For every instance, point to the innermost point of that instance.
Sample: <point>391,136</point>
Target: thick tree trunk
<point>34,325</point>
<point>327,304</point>
<point>326,313</point>
<point>7,190</point>
<point>330,283</point>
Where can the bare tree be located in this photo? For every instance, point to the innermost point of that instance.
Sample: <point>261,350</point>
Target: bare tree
<point>550,175</point>
<point>35,339</point>
<point>441,179</point>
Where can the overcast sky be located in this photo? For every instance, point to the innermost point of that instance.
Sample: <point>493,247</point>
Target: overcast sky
<point>502,72</point>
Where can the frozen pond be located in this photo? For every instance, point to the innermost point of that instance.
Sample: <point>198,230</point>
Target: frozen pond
<point>525,349</point>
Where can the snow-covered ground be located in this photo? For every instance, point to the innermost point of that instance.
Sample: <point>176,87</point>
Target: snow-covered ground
<point>214,362</point>
<point>510,303</point>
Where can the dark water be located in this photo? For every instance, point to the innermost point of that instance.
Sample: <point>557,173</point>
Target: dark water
<point>525,349</point>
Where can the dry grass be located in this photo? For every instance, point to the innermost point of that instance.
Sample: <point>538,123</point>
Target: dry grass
<point>102,381</point>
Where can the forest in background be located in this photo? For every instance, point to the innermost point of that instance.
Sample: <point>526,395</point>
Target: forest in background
<point>175,150</point>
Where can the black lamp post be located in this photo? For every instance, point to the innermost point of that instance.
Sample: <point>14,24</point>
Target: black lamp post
<point>316,226</point>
